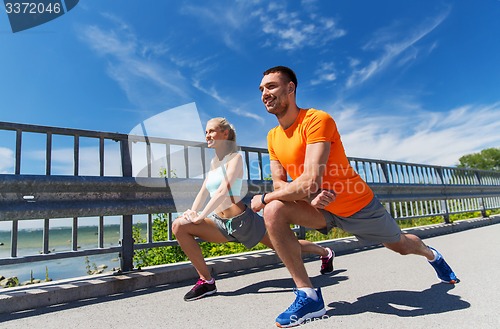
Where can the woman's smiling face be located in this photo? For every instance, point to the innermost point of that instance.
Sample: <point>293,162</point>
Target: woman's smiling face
<point>213,133</point>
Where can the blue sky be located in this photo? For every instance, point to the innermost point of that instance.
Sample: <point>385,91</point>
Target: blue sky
<point>414,81</point>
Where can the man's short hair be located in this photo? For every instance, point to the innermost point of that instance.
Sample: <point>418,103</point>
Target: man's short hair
<point>286,71</point>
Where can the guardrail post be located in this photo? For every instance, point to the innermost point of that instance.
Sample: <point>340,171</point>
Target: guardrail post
<point>444,204</point>
<point>483,207</point>
<point>126,239</point>
<point>388,205</point>
<point>301,234</point>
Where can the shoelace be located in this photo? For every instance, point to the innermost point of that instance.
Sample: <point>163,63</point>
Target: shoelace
<point>298,302</point>
<point>198,283</point>
<point>443,266</point>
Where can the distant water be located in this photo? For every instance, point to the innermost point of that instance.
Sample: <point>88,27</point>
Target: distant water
<point>30,242</point>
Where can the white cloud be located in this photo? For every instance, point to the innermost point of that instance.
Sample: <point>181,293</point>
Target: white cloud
<point>148,80</point>
<point>324,73</point>
<point>293,30</point>
<point>211,91</point>
<point>132,63</point>
<point>226,20</point>
<point>248,114</point>
<point>7,161</point>
<point>227,102</point>
<point>182,122</point>
<point>280,27</point>
<point>420,136</point>
<point>401,51</point>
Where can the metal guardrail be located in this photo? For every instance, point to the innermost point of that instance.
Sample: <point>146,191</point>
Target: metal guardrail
<point>33,197</point>
<point>408,190</point>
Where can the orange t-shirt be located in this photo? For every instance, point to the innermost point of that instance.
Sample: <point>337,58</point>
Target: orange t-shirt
<point>289,148</point>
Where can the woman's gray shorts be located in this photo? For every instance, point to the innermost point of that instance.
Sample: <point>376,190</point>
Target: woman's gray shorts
<point>372,223</point>
<point>247,228</point>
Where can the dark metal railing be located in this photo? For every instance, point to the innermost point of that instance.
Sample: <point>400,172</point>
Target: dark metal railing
<point>152,175</point>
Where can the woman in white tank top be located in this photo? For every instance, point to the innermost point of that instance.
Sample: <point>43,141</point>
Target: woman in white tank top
<point>225,217</point>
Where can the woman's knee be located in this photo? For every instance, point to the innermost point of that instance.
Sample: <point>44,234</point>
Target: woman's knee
<point>177,226</point>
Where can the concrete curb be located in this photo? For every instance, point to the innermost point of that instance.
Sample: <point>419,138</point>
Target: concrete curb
<point>64,291</point>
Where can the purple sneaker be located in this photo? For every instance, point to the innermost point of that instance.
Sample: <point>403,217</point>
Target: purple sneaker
<point>201,289</point>
<point>327,262</point>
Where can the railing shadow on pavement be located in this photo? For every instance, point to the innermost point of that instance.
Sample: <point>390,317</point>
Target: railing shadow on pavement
<point>4,317</point>
<point>284,285</point>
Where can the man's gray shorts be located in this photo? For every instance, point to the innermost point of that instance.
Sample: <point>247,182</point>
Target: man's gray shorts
<point>247,228</point>
<point>372,223</point>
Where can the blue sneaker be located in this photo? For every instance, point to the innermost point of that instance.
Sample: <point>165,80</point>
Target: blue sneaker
<point>302,308</point>
<point>443,270</point>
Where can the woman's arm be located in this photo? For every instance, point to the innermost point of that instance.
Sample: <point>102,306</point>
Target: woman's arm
<point>201,197</point>
<point>191,213</point>
<point>234,170</point>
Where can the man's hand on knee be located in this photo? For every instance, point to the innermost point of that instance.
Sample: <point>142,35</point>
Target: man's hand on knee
<point>323,199</point>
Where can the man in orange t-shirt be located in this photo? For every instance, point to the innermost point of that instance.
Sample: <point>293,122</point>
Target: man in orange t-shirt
<point>325,192</point>
<point>288,147</point>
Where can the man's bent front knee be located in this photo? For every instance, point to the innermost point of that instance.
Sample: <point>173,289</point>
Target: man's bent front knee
<point>276,213</point>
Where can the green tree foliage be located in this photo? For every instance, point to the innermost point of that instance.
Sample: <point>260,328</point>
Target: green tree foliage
<point>487,159</point>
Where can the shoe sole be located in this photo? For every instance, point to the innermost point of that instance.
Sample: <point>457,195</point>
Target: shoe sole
<point>208,293</point>
<point>327,272</point>
<point>312,315</point>
<point>451,281</point>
